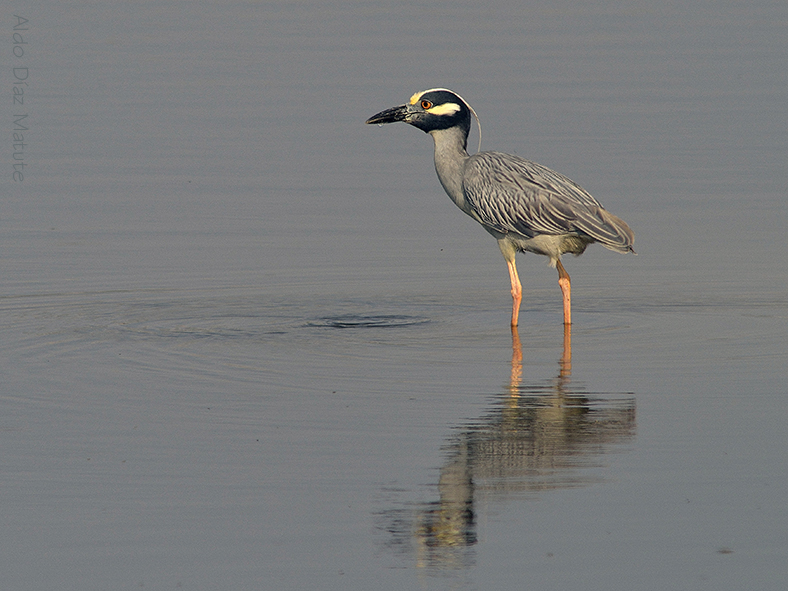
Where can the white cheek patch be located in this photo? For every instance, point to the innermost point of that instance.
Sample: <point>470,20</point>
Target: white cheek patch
<point>444,109</point>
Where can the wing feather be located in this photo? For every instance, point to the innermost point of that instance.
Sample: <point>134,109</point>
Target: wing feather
<point>511,194</point>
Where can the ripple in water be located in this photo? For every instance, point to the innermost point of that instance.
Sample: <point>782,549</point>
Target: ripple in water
<point>362,321</point>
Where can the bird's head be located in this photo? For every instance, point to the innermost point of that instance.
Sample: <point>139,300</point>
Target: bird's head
<point>431,110</point>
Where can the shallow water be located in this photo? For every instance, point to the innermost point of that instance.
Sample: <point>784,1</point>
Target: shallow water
<point>250,344</point>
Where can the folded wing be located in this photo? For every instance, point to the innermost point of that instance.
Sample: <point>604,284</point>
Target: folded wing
<point>511,194</point>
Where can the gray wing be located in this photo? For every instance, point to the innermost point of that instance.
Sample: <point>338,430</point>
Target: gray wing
<point>511,194</point>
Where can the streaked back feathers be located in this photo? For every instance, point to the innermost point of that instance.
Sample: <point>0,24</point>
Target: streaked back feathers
<point>511,194</point>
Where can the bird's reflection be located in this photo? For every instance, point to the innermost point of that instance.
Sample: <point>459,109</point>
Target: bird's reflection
<point>537,437</point>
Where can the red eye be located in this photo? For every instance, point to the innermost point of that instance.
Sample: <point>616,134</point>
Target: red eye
<point>426,105</point>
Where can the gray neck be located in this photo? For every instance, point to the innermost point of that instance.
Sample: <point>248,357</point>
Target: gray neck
<point>450,159</point>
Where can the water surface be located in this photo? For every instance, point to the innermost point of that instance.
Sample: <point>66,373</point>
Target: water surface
<point>248,343</point>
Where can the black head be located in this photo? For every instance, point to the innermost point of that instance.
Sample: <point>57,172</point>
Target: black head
<point>430,110</point>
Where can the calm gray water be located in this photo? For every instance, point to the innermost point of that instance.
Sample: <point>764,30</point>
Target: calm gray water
<point>248,343</point>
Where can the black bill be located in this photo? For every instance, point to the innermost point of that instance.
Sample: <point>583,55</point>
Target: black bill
<point>390,115</point>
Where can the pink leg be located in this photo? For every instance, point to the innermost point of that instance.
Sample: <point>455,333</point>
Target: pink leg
<point>517,291</point>
<point>566,289</point>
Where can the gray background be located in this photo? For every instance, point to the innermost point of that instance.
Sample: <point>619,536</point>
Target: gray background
<point>249,343</point>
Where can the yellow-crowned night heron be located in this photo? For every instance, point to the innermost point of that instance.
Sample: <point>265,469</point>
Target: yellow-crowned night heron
<point>525,206</point>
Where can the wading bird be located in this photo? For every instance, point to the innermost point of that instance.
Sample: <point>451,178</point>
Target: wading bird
<point>525,206</point>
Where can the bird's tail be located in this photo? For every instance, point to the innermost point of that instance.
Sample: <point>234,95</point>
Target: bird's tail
<point>615,233</point>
